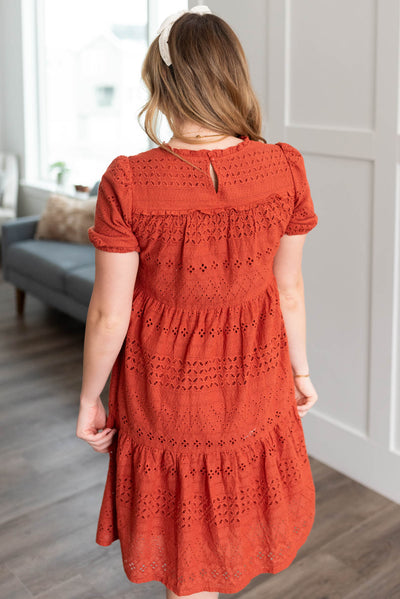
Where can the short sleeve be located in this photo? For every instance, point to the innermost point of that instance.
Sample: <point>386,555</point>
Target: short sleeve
<point>303,217</point>
<point>112,230</point>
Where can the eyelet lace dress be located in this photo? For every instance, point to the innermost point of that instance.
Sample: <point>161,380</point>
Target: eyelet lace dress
<point>209,482</point>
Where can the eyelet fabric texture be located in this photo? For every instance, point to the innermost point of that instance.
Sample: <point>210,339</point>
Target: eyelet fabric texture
<point>209,482</point>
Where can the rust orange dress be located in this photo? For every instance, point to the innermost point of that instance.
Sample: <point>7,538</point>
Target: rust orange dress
<point>209,481</point>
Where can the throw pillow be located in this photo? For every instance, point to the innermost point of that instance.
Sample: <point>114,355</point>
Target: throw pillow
<point>66,219</point>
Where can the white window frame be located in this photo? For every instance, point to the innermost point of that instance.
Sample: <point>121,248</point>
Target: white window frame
<point>36,173</point>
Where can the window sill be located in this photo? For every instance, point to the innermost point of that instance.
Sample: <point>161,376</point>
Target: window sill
<point>52,187</point>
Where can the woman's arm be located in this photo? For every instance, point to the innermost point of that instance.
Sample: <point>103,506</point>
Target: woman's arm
<point>289,278</point>
<point>107,319</point>
<point>106,326</point>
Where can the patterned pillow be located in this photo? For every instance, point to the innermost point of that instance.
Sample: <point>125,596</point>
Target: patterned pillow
<point>66,219</point>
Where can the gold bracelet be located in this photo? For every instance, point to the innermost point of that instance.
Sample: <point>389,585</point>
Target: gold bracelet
<point>301,375</point>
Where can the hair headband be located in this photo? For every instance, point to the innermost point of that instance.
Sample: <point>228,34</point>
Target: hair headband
<point>166,25</point>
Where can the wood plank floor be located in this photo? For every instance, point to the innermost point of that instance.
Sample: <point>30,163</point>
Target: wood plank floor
<point>52,485</point>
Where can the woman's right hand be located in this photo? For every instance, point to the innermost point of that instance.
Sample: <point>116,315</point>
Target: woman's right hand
<point>91,426</point>
<point>305,394</point>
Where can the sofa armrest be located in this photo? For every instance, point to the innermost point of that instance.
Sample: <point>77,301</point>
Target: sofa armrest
<point>17,229</point>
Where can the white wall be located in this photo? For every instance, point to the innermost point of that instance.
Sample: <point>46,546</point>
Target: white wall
<point>1,86</point>
<point>12,112</point>
<point>327,75</point>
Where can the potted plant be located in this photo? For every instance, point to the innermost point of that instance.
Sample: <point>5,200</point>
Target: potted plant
<point>61,171</point>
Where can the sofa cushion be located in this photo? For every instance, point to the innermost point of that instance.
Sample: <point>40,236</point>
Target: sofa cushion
<point>66,219</point>
<point>47,261</point>
<point>79,283</point>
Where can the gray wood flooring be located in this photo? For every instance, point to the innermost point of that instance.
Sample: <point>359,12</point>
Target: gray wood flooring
<point>52,485</point>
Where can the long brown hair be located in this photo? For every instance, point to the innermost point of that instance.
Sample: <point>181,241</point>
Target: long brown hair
<point>207,83</point>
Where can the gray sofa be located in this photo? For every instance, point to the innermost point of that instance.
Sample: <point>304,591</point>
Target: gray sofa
<point>60,274</point>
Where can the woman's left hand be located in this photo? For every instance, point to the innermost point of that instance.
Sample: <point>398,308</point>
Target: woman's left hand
<point>91,426</point>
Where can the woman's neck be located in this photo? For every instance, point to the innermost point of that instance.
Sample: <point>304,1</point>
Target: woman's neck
<point>208,139</point>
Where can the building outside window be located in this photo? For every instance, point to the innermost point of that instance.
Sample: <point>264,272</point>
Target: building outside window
<point>89,88</point>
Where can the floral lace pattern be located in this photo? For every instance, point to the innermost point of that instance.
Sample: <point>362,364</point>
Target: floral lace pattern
<point>209,482</point>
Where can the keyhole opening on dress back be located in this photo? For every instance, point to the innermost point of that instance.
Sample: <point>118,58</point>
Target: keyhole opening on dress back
<point>214,177</point>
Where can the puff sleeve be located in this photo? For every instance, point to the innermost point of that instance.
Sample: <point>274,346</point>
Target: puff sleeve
<point>303,217</point>
<point>112,230</point>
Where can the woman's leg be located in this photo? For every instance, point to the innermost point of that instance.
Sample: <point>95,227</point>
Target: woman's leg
<point>203,595</point>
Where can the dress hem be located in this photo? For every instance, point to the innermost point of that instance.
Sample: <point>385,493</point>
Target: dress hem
<point>228,588</point>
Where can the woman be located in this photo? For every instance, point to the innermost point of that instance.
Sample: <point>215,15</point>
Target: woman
<point>209,482</point>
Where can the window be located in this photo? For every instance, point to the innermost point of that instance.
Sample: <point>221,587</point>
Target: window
<point>89,91</point>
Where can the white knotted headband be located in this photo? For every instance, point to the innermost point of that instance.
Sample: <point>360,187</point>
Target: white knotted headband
<point>166,25</point>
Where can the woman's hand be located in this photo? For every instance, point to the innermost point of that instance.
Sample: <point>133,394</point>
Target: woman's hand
<point>91,420</point>
<point>305,393</point>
